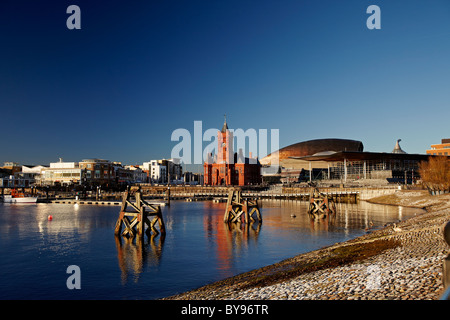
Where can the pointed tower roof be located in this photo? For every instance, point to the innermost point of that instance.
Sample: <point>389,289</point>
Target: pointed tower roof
<point>225,126</point>
<point>397,148</point>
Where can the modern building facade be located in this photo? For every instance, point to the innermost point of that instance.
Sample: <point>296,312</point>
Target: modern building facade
<point>98,171</point>
<point>396,166</point>
<point>287,166</point>
<point>13,175</point>
<point>88,172</point>
<point>442,149</point>
<point>62,173</point>
<point>163,171</point>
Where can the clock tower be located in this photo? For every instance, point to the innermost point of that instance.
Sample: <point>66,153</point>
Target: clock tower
<point>225,145</point>
<point>224,170</point>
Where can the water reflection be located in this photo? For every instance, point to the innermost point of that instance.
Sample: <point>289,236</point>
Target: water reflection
<point>197,243</point>
<point>227,241</point>
<point>135,254</point>
<point>320,225</point>
<point>349,217</point>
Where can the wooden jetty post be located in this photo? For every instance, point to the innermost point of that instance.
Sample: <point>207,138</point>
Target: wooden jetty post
<point>238,208</point>
<point>134,221</point>
<point>320,205</point>
<point>167,196</point>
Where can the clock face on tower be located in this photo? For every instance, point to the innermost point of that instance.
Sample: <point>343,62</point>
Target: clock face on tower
<point>224,144</point>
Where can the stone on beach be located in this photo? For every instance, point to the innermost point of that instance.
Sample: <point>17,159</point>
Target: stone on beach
<point>410,269</point>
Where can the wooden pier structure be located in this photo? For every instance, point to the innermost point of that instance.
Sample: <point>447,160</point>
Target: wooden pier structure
<point>241,209</point>
<point>320,205</point>
<point>134,222</point>
<point>160,195</point>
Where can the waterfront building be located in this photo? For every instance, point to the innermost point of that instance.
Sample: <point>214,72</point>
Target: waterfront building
<point>440,149</point>
<point>286,166</point>
<point>228,167</point>
<point>163,171</point>
<point>191,178</point>
<point>13,167</point>
<point>61,173</point>
<point>121,175</point>
<point>98,172</point>
<point>88,172</point>
<point>156,171</point>
<point>32,173</point>
<point>342,161</point>
<point>173,170</point>
<point>139,176</point>
<point>18,180</point>
<point>13,175</point>
<point>394,167</point>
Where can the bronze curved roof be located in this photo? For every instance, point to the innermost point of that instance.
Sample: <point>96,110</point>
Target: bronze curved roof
<point>311,147</point>
<point>360,156</point>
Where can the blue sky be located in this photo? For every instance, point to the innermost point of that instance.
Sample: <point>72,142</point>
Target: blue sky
<point>138,70</point>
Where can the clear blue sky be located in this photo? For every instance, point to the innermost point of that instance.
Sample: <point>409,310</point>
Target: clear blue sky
<point>138,70</point>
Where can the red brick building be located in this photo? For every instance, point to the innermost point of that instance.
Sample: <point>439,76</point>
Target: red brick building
<point>230,168</point>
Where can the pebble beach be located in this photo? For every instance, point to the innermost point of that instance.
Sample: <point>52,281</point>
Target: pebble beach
<point>401,261</point>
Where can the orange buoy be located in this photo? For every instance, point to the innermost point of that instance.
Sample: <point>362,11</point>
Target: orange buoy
<point>50,218</point>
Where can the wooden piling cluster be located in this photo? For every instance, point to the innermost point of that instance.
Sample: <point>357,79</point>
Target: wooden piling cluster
<point>135,221</point>
<point>320,205</point>
<point>241,209</point>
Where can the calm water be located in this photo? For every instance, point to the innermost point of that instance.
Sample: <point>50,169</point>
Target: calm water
<point>197,249</point>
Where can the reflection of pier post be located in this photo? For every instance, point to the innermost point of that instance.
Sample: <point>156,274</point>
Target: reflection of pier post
<point>254,228</point>
<point>133,257</point>
<point>167,196</point>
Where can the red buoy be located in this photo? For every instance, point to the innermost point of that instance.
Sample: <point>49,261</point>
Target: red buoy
<point>50,218</point>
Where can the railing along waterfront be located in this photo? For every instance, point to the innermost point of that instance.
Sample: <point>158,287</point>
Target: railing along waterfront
<point>221,192</point>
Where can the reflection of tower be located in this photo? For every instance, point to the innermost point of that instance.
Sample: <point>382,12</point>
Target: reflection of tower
<point>230,238</point>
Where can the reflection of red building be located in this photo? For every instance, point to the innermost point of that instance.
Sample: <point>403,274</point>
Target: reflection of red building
<point>230,168</point>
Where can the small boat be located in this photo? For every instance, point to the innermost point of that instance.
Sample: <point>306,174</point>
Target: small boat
<point>18,197</point>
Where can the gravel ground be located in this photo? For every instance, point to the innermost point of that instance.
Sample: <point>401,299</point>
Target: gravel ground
<point>398,262</point>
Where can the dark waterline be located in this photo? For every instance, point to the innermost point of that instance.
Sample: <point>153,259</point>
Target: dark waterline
<point>198,248</point>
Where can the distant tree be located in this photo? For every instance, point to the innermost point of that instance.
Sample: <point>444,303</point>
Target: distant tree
<point>435,173</point>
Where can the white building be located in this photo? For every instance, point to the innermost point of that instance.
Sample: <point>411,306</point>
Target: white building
<point>63,173</point>
<point>22,176</point>
<point>157,171</point>
<point>33,173</point>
